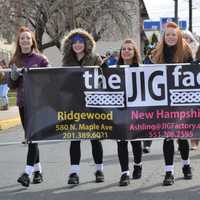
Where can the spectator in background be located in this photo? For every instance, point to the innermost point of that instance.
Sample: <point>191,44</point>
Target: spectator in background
<point>113,59</point>
<point>1,74</point>
<point>108,54</point>
<point>198,54</point>
<point>3,88</point>
<point>190,39</point>
<point>192,42</point>
<point>148,50</point>
<point>110,59</point>
<point>147,146</point>
<point>105,59</point>
<point>147,60</point>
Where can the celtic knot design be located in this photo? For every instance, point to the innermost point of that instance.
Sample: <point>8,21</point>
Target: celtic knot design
<point>104,99</point>
<point>183,97</point>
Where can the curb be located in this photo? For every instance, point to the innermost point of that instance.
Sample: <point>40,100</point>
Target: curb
<point>8,123</point>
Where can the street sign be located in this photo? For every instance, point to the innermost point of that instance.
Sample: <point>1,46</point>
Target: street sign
<point>151,25</point>
<point>164,21</point>
<point>182,24</point>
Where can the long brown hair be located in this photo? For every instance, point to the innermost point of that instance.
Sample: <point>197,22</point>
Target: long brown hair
<point>136,57</point>
<point>16,59</point>
<point>182,50</point>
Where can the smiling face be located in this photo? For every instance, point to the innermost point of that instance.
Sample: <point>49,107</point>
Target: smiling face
<point>171,36</point>
<point>25,42</point>
<point>127,52</point>
<point>78,47</point>
<point>187,38</point>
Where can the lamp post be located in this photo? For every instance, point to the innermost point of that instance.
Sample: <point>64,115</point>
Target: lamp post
<point>190,15</point>
<point>176,11</point>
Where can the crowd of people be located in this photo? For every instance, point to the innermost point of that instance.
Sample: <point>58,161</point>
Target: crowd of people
<point>78,50</point>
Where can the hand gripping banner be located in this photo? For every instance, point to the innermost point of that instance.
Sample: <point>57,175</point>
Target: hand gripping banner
<point>151,101</point>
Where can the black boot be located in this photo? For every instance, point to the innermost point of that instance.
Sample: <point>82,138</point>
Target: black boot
<point>24,180</point>
<point>99,176</point>
<point>73,179</point>
<point>124,180</point>
<point>187,172</point>
<point>137,172</point>
<point>169,179</point>
<point>37,177</point>
<point>146,149</point>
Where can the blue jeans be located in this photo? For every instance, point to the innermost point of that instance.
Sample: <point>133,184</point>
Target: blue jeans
<point>4,94</point>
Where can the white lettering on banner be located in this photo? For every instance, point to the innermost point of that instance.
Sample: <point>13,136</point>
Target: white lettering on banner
<point>146,86</point>
<point>93,79</point>
<point>186,78</point>
<point>183,94</point>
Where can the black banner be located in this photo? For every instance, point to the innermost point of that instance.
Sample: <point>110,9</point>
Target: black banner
<point>117,103</point>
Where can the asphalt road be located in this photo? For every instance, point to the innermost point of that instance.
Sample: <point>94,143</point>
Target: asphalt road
<point>55,163</point>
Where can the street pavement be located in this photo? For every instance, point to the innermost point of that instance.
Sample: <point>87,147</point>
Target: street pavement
<point>55,162</point>
<point>9,118</point>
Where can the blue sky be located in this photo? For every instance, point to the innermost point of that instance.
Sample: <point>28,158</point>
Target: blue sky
<point>165,8</point>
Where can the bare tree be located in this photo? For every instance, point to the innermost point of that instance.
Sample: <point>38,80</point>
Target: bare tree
<point>56,17</point>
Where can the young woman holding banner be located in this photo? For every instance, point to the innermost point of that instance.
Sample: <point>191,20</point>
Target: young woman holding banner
<point>173,49</point>
<point>78,48</point>
<point>129,56</point>
<point>26,55</point>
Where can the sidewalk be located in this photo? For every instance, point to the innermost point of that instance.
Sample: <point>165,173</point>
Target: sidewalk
<point>9,118</point>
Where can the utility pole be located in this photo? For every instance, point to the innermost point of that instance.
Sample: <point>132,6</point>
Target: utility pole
<point>176,11</point>
<point>190,15</point>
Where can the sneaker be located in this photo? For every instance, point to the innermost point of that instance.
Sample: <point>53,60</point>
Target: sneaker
<point>99,176</point>
<point>24,180</point>
<point>73,179</point>
<point>137,172</point>
<point>169,179</point>
<point>37,177</point>
<point>187,172</point>
<point>124,180</point>
<point>146,150</point>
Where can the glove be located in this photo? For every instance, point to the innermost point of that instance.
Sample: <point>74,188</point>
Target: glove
<point>14,75</point>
